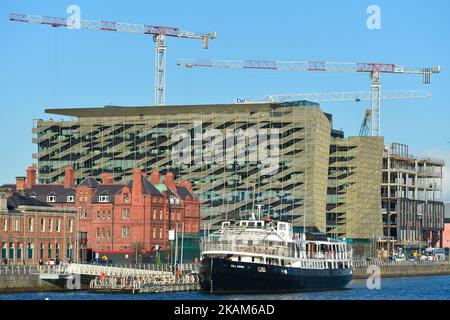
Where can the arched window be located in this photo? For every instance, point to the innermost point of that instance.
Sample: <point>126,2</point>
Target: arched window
<point>97,233</point>
<point>57,250</point>
<point>11,251</point>
<point>19,251</point>
<point>30,251</point>
<point>69,250</point>
<point>4,250</point>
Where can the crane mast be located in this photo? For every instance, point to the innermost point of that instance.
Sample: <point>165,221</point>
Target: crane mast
<point>159,34</point>
<point>374,69</point>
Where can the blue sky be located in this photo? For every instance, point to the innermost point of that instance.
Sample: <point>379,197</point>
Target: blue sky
<point>51,67</point>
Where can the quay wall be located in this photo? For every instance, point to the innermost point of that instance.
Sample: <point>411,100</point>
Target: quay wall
<point>26,282</point>
<point>404,271</point>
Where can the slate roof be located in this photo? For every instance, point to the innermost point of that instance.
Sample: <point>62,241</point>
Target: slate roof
<point>107,190</point>
<point>18,199</point>
<point>90,182</point>
<point>41,191</point>
<point>183,192</point>
<point>147,187</point>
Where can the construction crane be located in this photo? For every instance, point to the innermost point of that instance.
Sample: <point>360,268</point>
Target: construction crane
<point>356,96</point>
<point>341,96</point>
<point>159,34</point>
<point>365,125</point>
<point>374,69</point>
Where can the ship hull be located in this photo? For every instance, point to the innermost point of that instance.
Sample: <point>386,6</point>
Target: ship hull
<point>219,275</point>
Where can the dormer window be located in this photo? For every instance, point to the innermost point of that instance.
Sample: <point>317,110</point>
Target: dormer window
<point>70,199</point>
<point>125,198</point>
<point>103,199</point>
<point>51,198</point>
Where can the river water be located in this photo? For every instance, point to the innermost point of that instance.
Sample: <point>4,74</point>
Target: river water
<point>408,288</point>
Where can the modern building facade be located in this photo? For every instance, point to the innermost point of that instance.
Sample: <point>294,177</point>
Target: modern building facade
<point>241,158</point>
<point>122,221</point>
<point>354,178</point>
<point>413,211</point>
<point>33,231</point>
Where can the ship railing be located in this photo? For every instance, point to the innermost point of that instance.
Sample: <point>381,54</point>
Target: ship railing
<point>278,251</point>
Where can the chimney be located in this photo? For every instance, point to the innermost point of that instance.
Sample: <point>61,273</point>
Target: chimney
<point>170,181</point>
<point>21,184</point>
<point>31,177</point>
<point>107,178</point>
<point>137,186</point>
<point>155,177</point>
<point>3,203</point>
<point>69,180</point>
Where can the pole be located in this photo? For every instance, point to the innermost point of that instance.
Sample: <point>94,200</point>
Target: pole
<point>182,243</point>
<point>176,242</point>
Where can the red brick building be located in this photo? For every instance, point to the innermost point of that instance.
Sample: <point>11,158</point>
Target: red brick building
<point>31,230</point>
<point>122,219</point>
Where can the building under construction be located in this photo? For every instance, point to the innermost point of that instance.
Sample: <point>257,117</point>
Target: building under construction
<point>335,192</point>
<point>413,211</point>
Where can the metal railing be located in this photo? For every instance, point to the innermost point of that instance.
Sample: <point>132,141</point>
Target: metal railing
<point>282,251</point>
<point>364,263</point>
<point>5,270</point>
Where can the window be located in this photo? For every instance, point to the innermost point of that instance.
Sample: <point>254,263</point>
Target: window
<point>103,232</point>
<point>103,215</point>
<point>108,233</point>
<point>11,251</point>
<point>126,213</point>
<point>125,198</point>
<point>30,224</point>
<point>5,224</point>
<point>50,225</point>
<point>97,233</point>
<point>154,233</point>
<point>109,215</point>
<point>42,225</point>
<point>69,250</point>
<point>41,251</point>
<point>57,250</point>
<point>30,251</point>
<point>85,213</point>
<point>16,225</point>
<point>51,198</point>
<point>160,214</point>
<point>19,251</point>
<point>103,199</point>
<point>58,225</point>
<point>49,251</point>
<point>70,199</point>
<point>70,225</point>
<point>160,232</point>
<point>98,214</point>
<point>154,214</point>
<point>125,232</point>
<point>4,250</point>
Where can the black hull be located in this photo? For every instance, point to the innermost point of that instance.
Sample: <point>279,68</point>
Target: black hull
<point>225,276</point>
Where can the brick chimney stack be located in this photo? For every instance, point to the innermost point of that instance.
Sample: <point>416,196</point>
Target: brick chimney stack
<point>155,177</point>
<point>170,181</point>
<point>21,184</point>
<point>136,193</point>
<point>31,177</point>
<point>69,179</point>
<point>107,178</point>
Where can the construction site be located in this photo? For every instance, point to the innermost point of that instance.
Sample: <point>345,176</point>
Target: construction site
<point>361,188</point>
